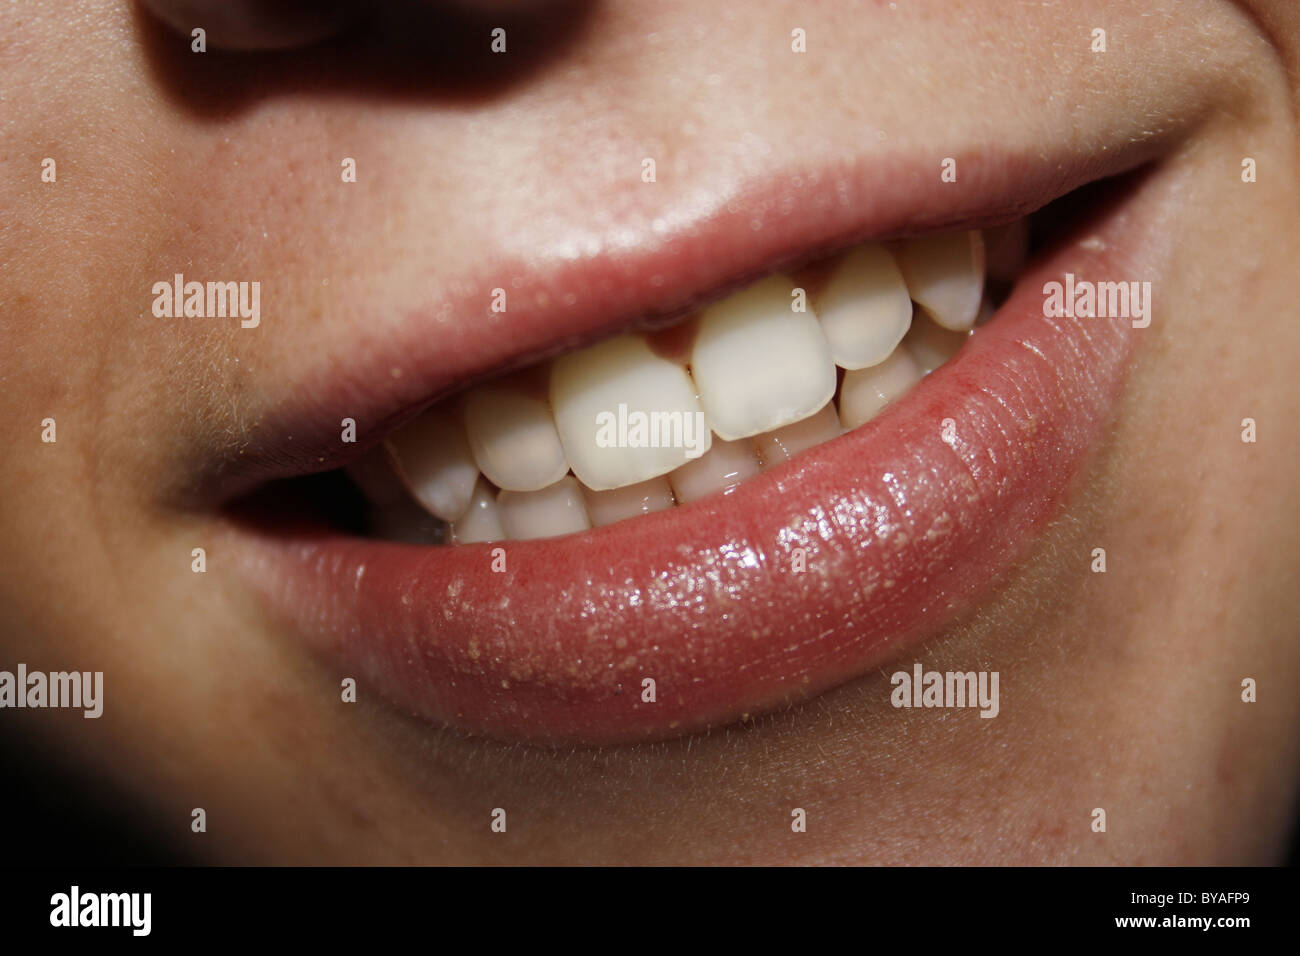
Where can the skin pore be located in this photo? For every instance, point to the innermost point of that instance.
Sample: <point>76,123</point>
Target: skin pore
<point>1119,690</point>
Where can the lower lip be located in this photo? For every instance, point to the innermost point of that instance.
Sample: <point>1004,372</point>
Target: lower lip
<point>897,526</point>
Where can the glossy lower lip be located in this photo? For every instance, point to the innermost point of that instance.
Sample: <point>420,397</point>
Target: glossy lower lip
<point>899,524</point>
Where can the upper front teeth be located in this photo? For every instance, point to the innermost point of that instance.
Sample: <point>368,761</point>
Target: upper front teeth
<point>761,378</point>
<point>945,276</point>
<point>865,309</point>
<point>759,364</point>
<point>436,462</point>
<point>593,386</point>
<point>513,437</point>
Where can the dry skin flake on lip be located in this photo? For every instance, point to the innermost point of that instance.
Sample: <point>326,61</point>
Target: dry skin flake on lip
<point>751,384</point>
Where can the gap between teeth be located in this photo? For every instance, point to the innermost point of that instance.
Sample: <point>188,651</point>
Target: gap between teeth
<point>527,456</point>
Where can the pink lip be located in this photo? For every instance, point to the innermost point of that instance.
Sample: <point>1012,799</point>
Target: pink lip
<point>391,363</point>
<point>900,527</point>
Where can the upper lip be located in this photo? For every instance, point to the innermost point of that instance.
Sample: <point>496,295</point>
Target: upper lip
<point>386,372</point>
<point>901,527</point>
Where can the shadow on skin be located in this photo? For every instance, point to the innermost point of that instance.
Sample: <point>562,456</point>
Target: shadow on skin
<point>393,51</point>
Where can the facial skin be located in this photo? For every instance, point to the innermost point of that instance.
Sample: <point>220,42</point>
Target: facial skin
<point>1119,690</point>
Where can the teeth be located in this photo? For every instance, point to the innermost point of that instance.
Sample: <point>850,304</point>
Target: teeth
<point>433,457</point>
<point>513,438</point>
<point>606,507</point>
<point>783,444</point>
<point>481,520</point>
<point>596,390</point>
<point>554,510</point>
<point>634,417</point>
<point>865,392</point>
<point>945,276</point>
<point>931,345</point>
<point>392,514</point>
<point>759,365</point>
<point>865,309</point>
<point>726,465</point>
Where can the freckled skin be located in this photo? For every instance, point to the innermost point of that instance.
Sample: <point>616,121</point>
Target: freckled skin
<point>1118,690</point>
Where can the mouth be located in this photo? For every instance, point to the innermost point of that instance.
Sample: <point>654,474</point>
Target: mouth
<point>675,485</point>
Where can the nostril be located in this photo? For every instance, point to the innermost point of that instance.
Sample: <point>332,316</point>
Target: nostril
<point>254,24</point>
<point>429,50</point>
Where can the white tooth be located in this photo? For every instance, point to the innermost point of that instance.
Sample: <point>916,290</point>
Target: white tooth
<point>606,507</point>
<point>931,345</point>
<point>1006,248</point>
<point>434,459</point>
<point>945,276</point>
<point>554,510</point>
<point>784,443</point>
<point>726,465</point>
<point>864,392</point>
<point>513,438</point>
<point>758,364</point>
<point>392,514</point>
<point>587,390</point>
<point>865,309</point>
<point>481,520</point>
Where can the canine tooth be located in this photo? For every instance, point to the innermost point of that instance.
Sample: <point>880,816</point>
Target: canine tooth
<point>945,276</point>
<point>758,364</point>
<point>726,465</point>
<point>393,515</point>
<point>865,309</point>
<point>932,345</point>
<point>481,521</point>
<point>554,510</point>
<point>864,392</point>
<point>784,443</point>
<point>620,391</point>
<point>433,457</point>
<point>513,438</point>
<point>606,507</point>
<point>1006,249</point>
